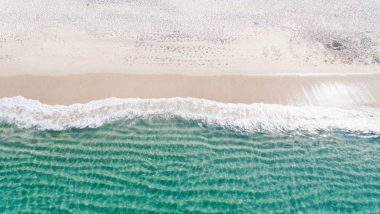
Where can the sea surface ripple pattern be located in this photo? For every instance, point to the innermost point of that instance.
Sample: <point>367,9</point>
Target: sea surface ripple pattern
<point>176,165</point>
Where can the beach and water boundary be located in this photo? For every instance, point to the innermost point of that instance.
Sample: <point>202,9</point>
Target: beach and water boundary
<point>332,90</point>
<point>256,103</point>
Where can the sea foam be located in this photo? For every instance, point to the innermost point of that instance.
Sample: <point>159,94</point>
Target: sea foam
<point>26,113</point>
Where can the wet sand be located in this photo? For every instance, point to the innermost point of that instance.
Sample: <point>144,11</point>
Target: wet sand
<point>349,91</point>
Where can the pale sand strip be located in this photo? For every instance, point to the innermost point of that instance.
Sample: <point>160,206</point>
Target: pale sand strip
<point>327,90</point>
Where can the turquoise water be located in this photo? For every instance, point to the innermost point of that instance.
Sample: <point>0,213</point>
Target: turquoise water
<point>177,165</point>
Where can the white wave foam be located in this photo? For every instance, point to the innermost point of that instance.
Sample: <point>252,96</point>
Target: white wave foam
<point>26,113</point>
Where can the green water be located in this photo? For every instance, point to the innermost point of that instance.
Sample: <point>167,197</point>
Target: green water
<point>173,165</point>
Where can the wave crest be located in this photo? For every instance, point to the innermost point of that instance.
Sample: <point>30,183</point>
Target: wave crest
<point>26,113</point>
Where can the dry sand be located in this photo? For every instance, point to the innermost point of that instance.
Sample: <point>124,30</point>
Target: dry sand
<point>349,91</point>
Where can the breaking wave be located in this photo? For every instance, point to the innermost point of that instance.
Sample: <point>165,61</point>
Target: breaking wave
<point>26,113</point>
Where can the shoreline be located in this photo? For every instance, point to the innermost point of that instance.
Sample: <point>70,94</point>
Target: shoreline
<point>347,91</point>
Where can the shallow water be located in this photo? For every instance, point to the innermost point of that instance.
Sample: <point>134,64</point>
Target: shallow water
<point>167,165</point>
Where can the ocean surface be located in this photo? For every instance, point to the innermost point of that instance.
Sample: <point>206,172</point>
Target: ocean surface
<point>187,155</point>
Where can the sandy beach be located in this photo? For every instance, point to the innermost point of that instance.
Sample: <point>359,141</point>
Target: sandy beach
<point>349,91</point>
<point>184,49</point>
